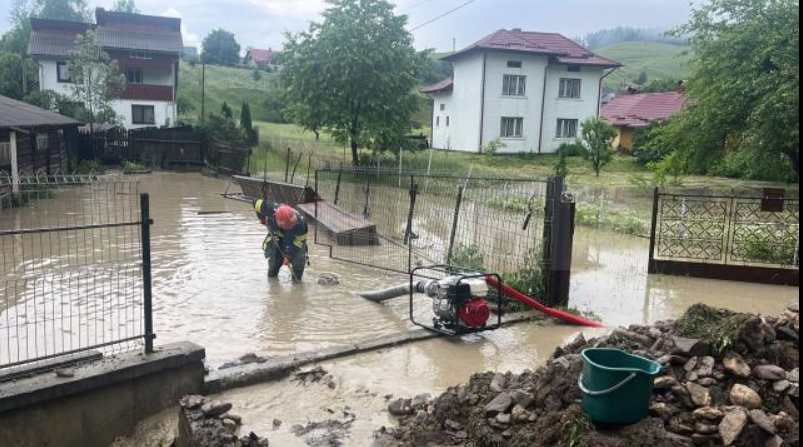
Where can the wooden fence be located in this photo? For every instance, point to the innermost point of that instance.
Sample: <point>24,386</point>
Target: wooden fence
<point>158,147</point>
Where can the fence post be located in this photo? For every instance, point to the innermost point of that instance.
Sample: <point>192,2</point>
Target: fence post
<point>554,193</point>
<point>366,212</point>
<point>287,166</point>
<point>559,280</point>
<point>408,233</point>
<point>147,274</point>
<point>455,223</point>
<point>337,187</point>
<point>656,198</point>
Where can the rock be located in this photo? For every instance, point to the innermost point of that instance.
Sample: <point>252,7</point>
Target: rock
<point>745,397</point>
<point>401,408</point>
<point>523,398</point>
<point>700,395</point>
<point>706,429</point>
<point>682,395</point>
<point>794,306</point>
<point>499,383</point>
<point>709,414</point>
<point>782,386</point>
<point>664,411</point>
<point>775,442</point>
<point>277,424</point>
<point>794,376</point>
<point>501,404</point>
<point>706,440</point>
<point>770,372</point>
<point>736,366</point>
<point>504,419</point>
<point>520,414</point>
<point>784,423</point>
<point>788,333</point>
<point>760,418</point>
<point>790,408</point>
<point>706,367</point>
<point>452,425</point>
<point>691,365</point>
<point>233,417</point>
<point>215,409</point>
<point>690,347</point>
<point>733,425</point>
<point>707,382</point>
<point>666,383</point>
<point>420,401</point>
<point>794,391</point>
<point>192,402</point>
<point>328,280</point>
<point>231,425</point>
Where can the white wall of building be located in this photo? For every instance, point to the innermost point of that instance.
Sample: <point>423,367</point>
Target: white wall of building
<point>559,108</point>
<point>528,107</point>
<point>463,106</point>
<point>165,113</point>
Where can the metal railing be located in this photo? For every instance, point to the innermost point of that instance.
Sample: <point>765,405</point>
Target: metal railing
<point>75,271</point>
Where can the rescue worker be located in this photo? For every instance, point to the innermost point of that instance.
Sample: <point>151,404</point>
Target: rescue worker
<point>286,243</point>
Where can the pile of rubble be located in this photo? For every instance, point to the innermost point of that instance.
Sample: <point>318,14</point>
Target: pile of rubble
<point>728,379</point>
<point>206,422</point>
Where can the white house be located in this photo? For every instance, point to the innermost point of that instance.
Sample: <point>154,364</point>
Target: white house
<point>531,90</point>
<point>148,49</point>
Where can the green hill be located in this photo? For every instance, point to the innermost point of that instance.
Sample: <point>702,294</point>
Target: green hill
<point>225,84</point>
<point>658,60</point>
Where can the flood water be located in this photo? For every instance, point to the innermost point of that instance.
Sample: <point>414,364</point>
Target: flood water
<point>211,288</point>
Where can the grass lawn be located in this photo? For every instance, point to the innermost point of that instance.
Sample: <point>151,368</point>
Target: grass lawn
<point>659,60</point>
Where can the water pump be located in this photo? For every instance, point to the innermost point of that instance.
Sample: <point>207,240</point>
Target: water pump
<point>462,302</point>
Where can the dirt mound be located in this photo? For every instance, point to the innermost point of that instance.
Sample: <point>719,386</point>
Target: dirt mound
<point>728,379</point>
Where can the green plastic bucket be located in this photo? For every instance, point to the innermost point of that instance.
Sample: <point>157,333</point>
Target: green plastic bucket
<point>617,387</point>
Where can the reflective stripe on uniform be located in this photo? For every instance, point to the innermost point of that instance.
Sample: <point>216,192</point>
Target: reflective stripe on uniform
<point>300,241</point>
<point>258,206</point>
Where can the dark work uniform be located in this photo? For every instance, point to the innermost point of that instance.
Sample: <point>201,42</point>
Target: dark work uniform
<point>283,244</point>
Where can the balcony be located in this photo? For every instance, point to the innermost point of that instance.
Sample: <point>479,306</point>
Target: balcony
<point>144,92</point>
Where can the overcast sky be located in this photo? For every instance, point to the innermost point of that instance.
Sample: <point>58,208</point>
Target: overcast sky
<point>261,23</point>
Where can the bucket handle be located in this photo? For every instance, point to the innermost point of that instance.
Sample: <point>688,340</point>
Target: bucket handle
<point>616,388</point>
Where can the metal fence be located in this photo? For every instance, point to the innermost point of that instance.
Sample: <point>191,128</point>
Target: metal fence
<point>74,270</point>
<point>730,237</point>
<point>484,224</point>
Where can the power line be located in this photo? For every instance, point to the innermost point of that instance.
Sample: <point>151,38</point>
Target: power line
<point>422,3</point>
<point>448,13</point>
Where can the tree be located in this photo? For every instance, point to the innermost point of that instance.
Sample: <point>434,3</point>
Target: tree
<point>256,75</point>
<point>643,77</point>
<point>744,89</point>
<point>247,124</point>
<point>226,112</point>
<point>220,47</point>
<point>126,6</point>
<point>12,66</point>
<point>354,75</point>
<point>562,165</point>
<point>71,10</point>
<point>662,85</point>
<point>96,80</point>
<point>598,138</point>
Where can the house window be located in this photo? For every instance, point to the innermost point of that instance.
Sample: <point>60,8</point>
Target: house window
<point>448,121</point>
<point>143,115</point>
<point>567,128</point>
<point>438,121</point>
<point>141,55</point>
<point>443,107</point>
<point>514,64</point>
<point>42,142</point>
<point>512,127</point>
<point>574,69</point>
<point>63,72</point>
<point>134,76</point>
<point>514,85</point>
<point>570,88</point>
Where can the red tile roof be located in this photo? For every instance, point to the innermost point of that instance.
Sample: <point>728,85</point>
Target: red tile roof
<point>562,49</point>
<point>445,85</point>
<point>261,56</point>
<point>641,110</point>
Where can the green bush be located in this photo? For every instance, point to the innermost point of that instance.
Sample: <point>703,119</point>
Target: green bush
<point>619,221</point>
<point>130,167</point>
<point>88,167</point>
<point>469,257</point>
<point>767,247</point>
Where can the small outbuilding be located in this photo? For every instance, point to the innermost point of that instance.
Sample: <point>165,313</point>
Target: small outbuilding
<point>630,113</point>
<point>33,140</point>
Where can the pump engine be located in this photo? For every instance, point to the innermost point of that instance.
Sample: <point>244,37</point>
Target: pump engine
<point>460,303</point>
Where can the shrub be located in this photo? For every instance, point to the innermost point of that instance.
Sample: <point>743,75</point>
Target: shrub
<point>469,257</point>
<point>492,148</point>
<point>89,167</point>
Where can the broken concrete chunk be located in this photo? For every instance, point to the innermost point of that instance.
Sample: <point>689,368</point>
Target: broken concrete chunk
<point>501,404</point>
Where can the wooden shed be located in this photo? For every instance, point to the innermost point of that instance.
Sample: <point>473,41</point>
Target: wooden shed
<point>34,141</point>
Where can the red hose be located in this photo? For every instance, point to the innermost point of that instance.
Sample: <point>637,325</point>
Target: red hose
<point>564,316</point>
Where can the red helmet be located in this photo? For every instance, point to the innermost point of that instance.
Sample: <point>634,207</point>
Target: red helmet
<point>286,217</point>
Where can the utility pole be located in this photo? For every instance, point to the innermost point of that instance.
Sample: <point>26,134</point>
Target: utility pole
<point>203,92</point>
<point>454,45</point>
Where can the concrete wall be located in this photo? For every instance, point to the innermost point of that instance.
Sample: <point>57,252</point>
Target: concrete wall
<point>464,132</point>
<point>164,112</point>
<point>101,402</point>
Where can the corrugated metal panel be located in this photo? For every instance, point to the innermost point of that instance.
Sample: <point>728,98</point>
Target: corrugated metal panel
<point>15,113</point>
